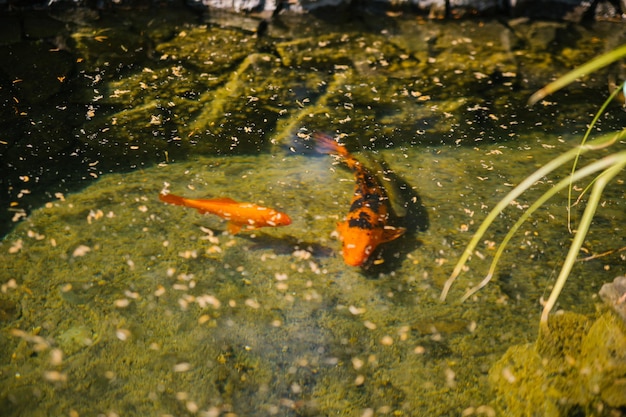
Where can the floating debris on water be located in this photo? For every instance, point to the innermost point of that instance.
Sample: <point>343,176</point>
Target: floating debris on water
<point>81,250</point>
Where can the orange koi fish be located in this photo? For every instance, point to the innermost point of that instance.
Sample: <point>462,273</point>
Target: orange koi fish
<point>365,226</point>
<point>239,215</point>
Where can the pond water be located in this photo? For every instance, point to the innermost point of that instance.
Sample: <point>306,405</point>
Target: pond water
<point>114,303</point>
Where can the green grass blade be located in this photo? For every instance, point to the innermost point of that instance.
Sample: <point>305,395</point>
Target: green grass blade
<point>589,67</point>
<point>583,227</point>
<point>603,141</point>
<point>587,133</point>
<point>596,166</point>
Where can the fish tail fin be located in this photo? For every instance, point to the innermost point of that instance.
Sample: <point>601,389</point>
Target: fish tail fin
<point>328,145</point>
<point>172,199</point>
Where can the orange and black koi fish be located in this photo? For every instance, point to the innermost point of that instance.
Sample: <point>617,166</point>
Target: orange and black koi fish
<point>239,215</point>
<point>365,226</point>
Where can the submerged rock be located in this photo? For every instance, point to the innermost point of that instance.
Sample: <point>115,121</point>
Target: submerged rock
<point>579,367</point>
<point>602,363</point>
<point>614,294</point>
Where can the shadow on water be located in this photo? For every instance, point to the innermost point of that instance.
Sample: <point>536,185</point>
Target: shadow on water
<point>286,245</point>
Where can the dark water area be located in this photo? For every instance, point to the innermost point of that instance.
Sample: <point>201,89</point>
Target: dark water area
<point>87,93</point>
<point>114,303</point>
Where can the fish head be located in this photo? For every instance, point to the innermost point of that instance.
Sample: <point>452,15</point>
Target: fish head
<point>358,244</point>
<point>277,218</point>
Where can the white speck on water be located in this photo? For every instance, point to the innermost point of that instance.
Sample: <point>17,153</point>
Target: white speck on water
<point>356,310</point>
<point>121,303</point>
<point>368,324</point>
<point>123,334</point>
<point>81,250</point>
<point>16,246</point>
<point>182,367</point>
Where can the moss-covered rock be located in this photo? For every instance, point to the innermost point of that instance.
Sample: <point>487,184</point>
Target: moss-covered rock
<point>519,381</point>
<point>580,365</point>
<point>602,362</point>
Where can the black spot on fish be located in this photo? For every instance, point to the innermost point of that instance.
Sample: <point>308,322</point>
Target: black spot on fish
<point>357,204</point>
<point>366,180</point>
<point>362,222</point>
<point>372,201</point>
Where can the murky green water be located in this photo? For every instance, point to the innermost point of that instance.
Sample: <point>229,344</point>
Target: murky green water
<point>114,303</point>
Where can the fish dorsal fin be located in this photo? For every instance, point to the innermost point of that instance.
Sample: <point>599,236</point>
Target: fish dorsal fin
<point>391,233</point>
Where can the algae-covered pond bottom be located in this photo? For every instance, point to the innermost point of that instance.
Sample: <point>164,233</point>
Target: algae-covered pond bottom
<point>114,303</point>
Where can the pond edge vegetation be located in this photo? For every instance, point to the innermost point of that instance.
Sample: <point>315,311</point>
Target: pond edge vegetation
<point>606,169</point>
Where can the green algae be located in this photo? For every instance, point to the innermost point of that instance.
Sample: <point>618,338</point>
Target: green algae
<point>162,305</point>
<point>579,365</point>
<point>407,79</point>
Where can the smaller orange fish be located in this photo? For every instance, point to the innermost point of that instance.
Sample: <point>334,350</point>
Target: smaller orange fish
<point>239,215</point>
